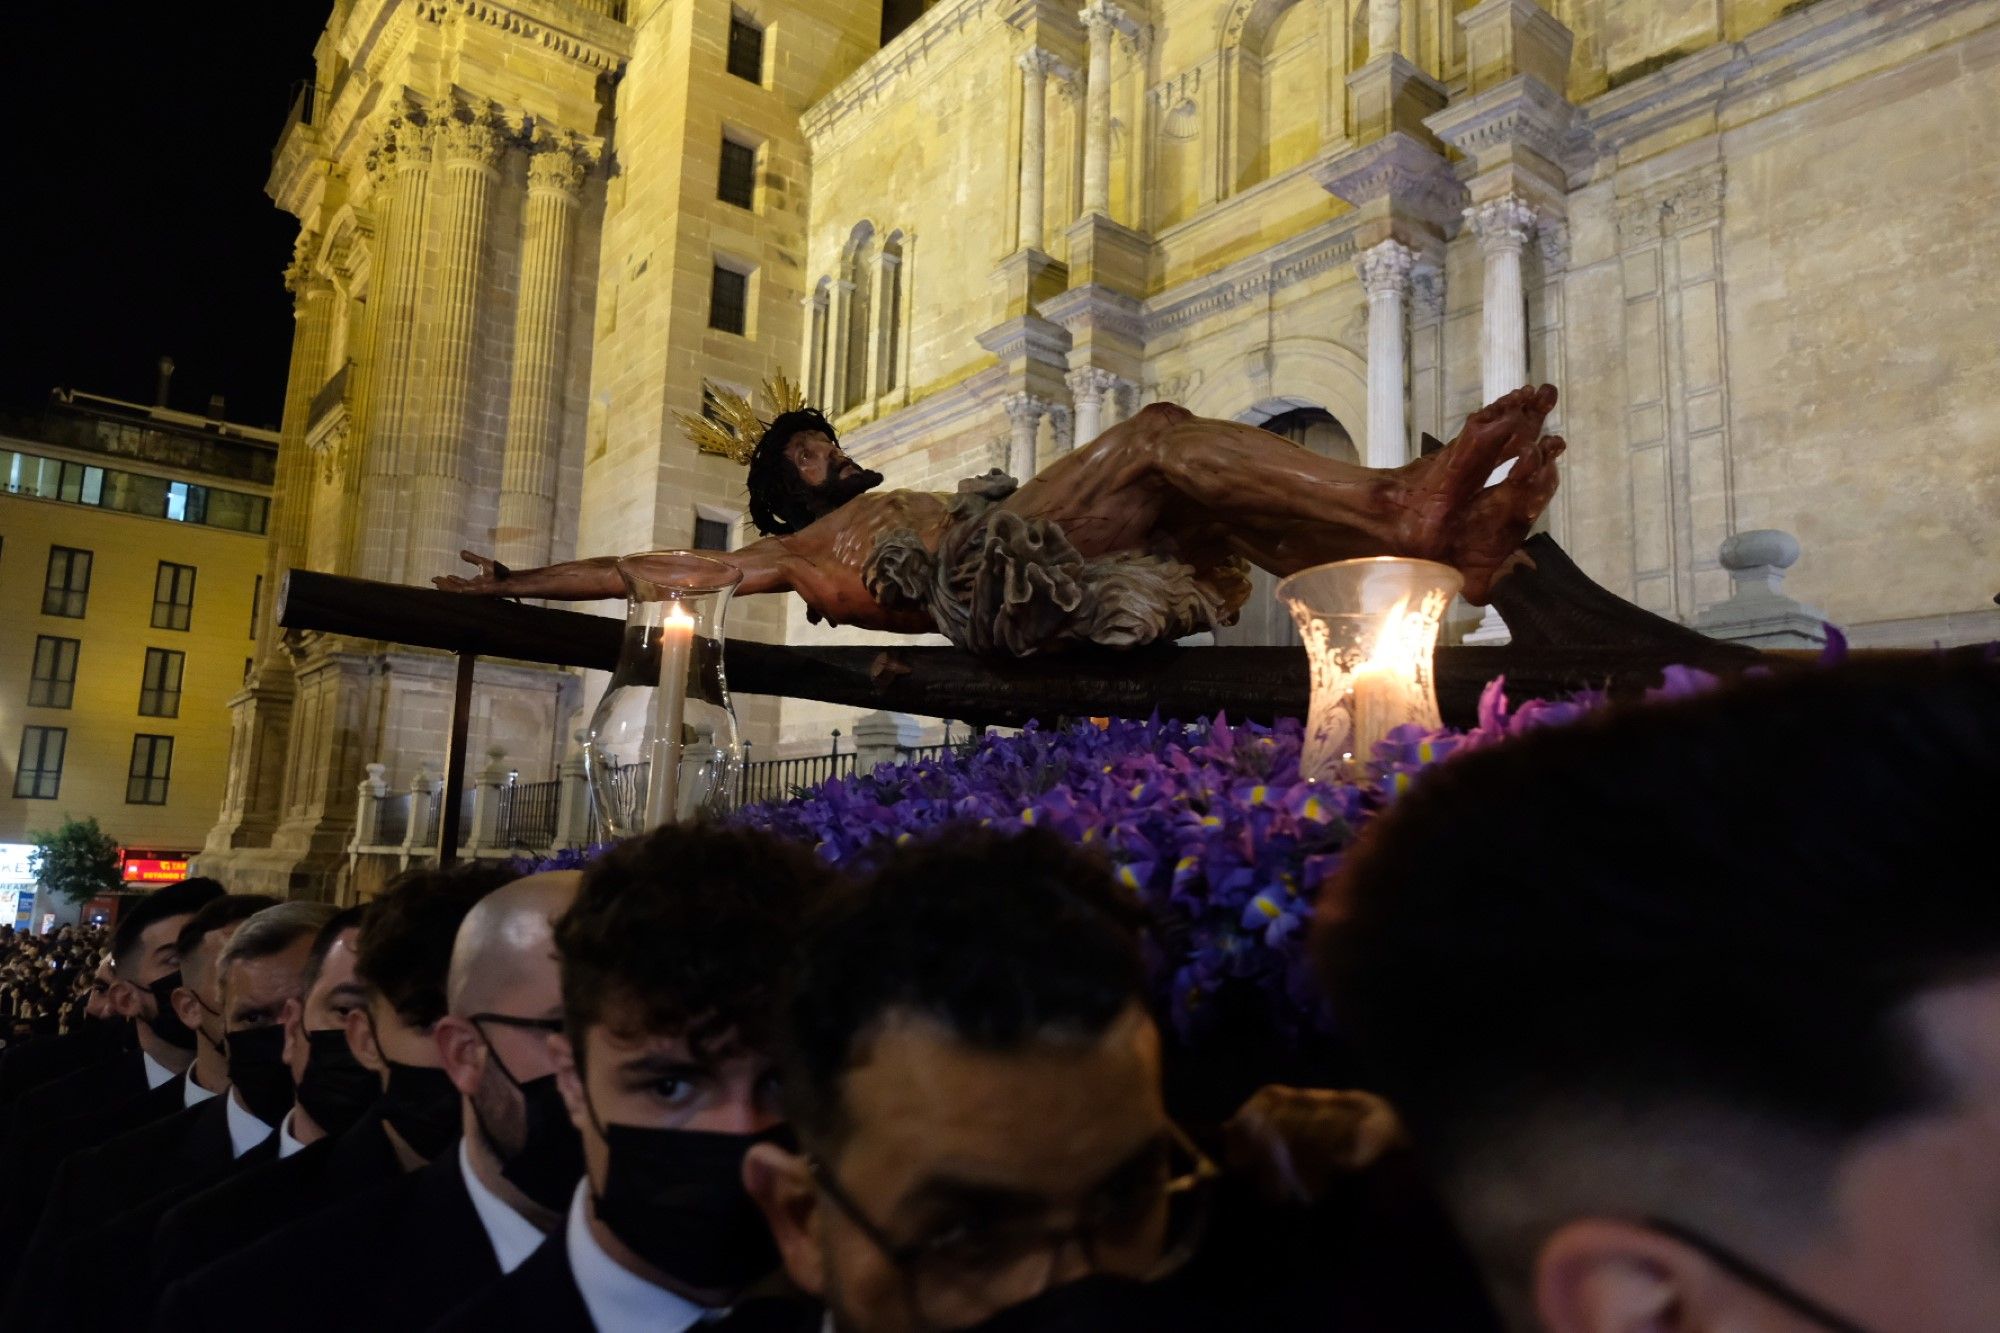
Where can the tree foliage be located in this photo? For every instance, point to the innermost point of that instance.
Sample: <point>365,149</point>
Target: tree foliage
<point>76,859</point>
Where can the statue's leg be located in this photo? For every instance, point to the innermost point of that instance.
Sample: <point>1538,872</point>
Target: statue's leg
<point>1287,507</point>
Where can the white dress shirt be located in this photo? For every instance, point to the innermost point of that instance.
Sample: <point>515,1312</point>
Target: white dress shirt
<point>192,1093</point>
<point>156,1073</point>
<point>246,1131</point>
<point>514,1237</point>
<point>287,1145</point>
<point>619,1300</point>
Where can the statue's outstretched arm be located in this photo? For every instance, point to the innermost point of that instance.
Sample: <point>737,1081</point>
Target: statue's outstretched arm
<point>766,566</point>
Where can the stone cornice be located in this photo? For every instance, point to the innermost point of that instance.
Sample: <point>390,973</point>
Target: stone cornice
<point>1745,70</point>
<point>1027,336</point>
<point>1400,168</point>
<point>1522,111</point>
<point>591,40</point>
<point>1096,307</point>
<point>832,120</point>
<point>1325,247</point>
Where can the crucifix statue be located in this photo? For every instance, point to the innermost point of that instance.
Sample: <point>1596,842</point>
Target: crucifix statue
<point>1144,534</point>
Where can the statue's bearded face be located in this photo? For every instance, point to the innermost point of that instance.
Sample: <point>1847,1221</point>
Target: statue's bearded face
<point>825,473</point>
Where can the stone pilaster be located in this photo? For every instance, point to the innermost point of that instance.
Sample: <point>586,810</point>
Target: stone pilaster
<point>401,166</point>
<point>541,351</point>
<point>468,152</point>
<point>1385,275</point>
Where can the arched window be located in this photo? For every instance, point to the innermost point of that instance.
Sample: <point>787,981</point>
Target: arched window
<point>858,274</point>
<point>892,311</point>
<point>816,348</point>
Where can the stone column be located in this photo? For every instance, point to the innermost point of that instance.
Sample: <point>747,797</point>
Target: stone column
<point>1385,273</point>
<point>401,165</point>
<point>468,150</point>
<point>1089,388</point>
<point>1101,20</point>
<point>883,280</point>
<point>1024,415</point>
<point>541,354</point>
<point>1036,66</point>
<point>1503,226</point>
<point>291,502</point>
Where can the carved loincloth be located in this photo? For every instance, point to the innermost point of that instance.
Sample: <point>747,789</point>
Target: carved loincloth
<point>1003,584</point>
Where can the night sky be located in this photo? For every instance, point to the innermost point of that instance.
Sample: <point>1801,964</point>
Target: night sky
<point>134,217</point>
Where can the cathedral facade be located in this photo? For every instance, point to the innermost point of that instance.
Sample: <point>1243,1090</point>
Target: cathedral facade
<point>1748,239</point>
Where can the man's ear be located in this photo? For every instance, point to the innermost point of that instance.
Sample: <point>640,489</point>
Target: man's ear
<point>361,1041</point>
<point>188,1008</point>
<point>123,998</point>
<point>463,1052</point>
<point>569,1080</point>
<point>782,1185</point>
<point>1602,1275</point>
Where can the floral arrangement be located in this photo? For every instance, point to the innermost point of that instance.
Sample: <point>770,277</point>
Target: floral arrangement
<point>1207,822</point>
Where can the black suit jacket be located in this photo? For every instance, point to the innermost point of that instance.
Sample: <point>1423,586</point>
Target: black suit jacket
<point>397,1257</point>
<point>188,1148</point>
<point>48,1124</point>
<point>541,1296</point>
<point>30,1064</point>
<point>255,1203</point>
<point>82,1292</point>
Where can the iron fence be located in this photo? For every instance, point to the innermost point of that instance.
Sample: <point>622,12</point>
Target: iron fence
<point>528,814</point>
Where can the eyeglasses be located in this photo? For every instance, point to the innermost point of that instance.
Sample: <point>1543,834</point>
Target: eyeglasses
<point>1755,1276</point>
<point>479,1021</point>
<point>1144,1223</point>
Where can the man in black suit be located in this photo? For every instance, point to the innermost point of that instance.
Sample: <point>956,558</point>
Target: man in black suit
<point>670,959</point>
<point>104,1099</point>
<point>261,971</point>
<point>404,955</point>
<point>102,1035</point>
<point>331,1145</point>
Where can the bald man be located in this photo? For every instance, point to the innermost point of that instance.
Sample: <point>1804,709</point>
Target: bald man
<point>410,1252</point>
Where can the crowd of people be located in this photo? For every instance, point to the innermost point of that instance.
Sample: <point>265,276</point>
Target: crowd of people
<point>1685,1019</point>
<point>46,981</point>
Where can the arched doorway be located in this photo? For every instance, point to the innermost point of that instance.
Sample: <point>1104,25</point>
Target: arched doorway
<point>1264,623</point>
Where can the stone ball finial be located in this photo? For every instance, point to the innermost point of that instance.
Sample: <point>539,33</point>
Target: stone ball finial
<point>1760,548</point>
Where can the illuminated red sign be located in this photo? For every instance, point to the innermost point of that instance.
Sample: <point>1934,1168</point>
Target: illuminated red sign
<point>153,870</point>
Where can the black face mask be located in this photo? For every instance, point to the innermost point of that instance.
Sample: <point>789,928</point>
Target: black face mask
<point>676,1197</point>
<point>166,1024</point>
<point>258,1073</point>
<point>337,1088</point>
<point>422,1105</point>
<point>550,1159</point>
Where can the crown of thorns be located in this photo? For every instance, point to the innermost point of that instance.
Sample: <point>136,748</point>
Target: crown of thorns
<point>730,424</point>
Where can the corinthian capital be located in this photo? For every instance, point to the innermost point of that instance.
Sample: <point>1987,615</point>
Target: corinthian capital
<point>1026,409</point>
<point>1101,18</point>
<point>1036,60</point>
<point>1502,224</point>
<point>469,138</point>
<point>1091,384</point>
<point>1385,267</point>
<point>558,163</point>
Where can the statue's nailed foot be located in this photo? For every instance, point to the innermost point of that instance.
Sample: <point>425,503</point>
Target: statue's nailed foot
<point>1449,513</point>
